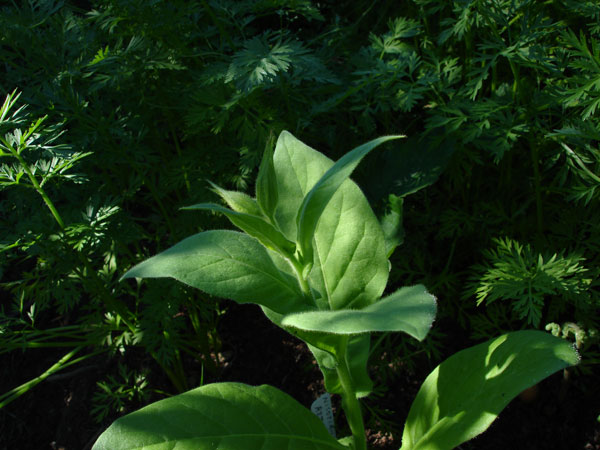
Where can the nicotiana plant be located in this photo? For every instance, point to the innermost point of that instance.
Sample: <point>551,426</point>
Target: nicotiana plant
<point>315,258</point>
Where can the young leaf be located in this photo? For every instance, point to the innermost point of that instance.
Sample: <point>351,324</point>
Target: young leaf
<point>231,416</point>
<point>226,264</point>
<point>238,201</point>
<point>410,309</point>
<point>266,182</point>
<point>350,264</point>
<point>297,167</point>
<point>255,226</point>
<point>391,224</point>
<point>465,393</point>
<point>321,193</point>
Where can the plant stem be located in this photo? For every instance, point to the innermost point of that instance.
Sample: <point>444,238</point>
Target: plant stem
<point>15,393</point>
<point>298,270</point>
<point>38,188</point>
<point>350,403</point>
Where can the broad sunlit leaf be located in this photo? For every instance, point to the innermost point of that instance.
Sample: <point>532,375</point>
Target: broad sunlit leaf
<point>465,393</point>
<point>226,264</point>
<point>224,416</point>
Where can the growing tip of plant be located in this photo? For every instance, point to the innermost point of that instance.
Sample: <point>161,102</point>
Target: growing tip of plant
<point>237,201</point>
<point>266,182</point>
<point>318,197</point>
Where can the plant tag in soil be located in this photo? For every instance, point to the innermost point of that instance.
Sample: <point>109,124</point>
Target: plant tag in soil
<point>321,407</point>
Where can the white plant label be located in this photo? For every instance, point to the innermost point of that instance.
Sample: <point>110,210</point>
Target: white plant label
<point>321,407</point>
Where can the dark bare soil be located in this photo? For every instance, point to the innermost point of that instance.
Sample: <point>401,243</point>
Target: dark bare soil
<point>56,414</point>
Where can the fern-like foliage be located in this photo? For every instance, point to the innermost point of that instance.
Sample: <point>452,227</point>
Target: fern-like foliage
<point>530,280</point>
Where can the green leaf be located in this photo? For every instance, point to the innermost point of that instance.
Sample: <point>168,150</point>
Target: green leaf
<point>410,309</point>
<point>318,197</point>
<point>465,394</point>
<point>266,182</point>
<point>227,416</point>
<point>391,224</point>
<point>255,226</point>
<point>226,264</point>
<point>297,167</point>
<point>350,265</point>
<point>238,201</point>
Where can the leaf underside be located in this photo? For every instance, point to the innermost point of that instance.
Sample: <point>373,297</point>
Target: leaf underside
<point>410,309</point>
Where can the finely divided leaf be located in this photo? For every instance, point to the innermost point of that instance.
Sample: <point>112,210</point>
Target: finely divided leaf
<point>255,226</point>
<point>464,394</point>
<point>321,193</point>
<point>410,309</point>
<point>227,416</point>
<point>226,264</point>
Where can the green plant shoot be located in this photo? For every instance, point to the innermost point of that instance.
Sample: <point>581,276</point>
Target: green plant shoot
<point>313,255</point>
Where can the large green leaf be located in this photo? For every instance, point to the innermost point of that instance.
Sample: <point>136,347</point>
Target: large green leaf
<point>410,309</point>
<point>318,197</point>
<point>223,416</point>
<point>464,394</point>
<point>350,265</point>
<point>255,226</point>
<point>226,264</point>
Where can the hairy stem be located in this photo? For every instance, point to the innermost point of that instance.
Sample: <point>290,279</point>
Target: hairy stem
<point>350,403</point>
<point>298,269</point>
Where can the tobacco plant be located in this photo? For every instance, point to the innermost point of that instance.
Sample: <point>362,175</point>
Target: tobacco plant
<point>314,257</point>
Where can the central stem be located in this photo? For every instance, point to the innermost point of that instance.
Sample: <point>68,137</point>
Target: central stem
<point>350,403</point>
<point>298,269</point>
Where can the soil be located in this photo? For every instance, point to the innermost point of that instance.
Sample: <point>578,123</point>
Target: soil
<point>56,414</point>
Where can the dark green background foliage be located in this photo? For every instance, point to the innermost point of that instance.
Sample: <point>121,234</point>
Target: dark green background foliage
<point>497,184</point>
